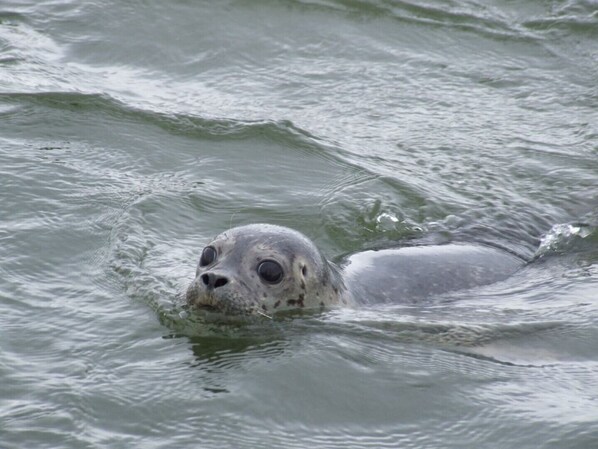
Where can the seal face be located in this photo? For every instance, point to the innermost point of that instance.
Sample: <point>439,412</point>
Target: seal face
<point>262,269</point>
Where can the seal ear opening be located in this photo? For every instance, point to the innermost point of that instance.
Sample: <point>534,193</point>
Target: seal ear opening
<point>304,270</point>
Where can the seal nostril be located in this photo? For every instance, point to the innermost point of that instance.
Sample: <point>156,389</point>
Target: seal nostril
<point>220,282</point>
<point>211,280</point>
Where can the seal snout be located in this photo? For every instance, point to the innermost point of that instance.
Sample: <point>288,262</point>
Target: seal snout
<point>213,280</point>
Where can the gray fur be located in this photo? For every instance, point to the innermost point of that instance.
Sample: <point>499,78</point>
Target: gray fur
<point>419,272</point>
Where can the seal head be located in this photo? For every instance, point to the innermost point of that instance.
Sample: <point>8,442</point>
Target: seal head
<point>262,269</point>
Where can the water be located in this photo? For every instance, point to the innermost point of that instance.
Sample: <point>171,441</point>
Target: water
<point>132,132</point>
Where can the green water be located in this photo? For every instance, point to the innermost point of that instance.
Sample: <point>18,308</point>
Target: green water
<point>132,132</point>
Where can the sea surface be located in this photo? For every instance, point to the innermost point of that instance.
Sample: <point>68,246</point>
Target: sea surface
<point>132,132</point>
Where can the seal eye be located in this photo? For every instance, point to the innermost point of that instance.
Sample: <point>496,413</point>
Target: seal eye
<point>208,256</point>
<point>270,271</point>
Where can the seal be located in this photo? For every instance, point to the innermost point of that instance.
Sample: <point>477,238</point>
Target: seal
<point>263,269</point>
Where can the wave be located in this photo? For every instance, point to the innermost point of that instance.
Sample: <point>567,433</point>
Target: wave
<point>281,131</point>
<point>488,21</point>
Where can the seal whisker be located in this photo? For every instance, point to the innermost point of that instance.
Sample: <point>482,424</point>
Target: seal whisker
<point>231,219</point>
<point>259,312</point>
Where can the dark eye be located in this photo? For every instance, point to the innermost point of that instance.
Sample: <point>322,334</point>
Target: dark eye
<point>208,256</point>
<point>270,271</point>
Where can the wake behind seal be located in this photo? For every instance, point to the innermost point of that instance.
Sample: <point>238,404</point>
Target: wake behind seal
<point>263,269</point>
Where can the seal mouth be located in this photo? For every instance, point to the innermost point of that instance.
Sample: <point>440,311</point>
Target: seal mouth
<point>234,312</point>
<point>211,304</point>
<point>217,308</point>
<point>208,308</point>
